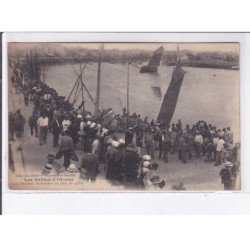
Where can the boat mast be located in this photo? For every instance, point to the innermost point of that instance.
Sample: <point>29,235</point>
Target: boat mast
<point>178,53</point>
<point>98,88</point>
<point>128,88</point>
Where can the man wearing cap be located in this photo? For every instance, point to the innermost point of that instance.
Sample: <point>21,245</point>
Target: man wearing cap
<point>228,136</point>
<point>19,124</point>
<point>149,144</point>
<point>129,136</point>
<point>26,96</point>
<point>55,129</point>
<point>164,146</point>
<point>12,118</point>
<point>114,163</point>
<point>66,147</point>
<point>86,138</point>
<point>144,167</point>
<point>219,149</point>
<point>92,131</point>
<point>228,176</point>
<point>66,123</point>
<point>43,123</point>
<point>151,180</point>
<point>33,123</point>
<point>198,143</point>
<point>95,146</point>
<point>215,144</point>
<point>139,137</point>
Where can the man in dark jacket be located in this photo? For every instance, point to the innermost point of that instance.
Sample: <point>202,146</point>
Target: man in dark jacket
<point>11,126</point>
<point>131,162</point>
<point>129,134</point>
<point>55,129</point>
<point>164,146</point>
<point>90,164</point>
<point>33,123</point>
<point>26,96</point>
<point>19,124</point>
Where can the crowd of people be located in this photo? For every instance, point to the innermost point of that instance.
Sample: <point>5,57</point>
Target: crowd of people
<point>127,151</point>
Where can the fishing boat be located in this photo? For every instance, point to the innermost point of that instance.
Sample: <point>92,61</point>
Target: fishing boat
<point>104,116</point>
<point>154,62</point>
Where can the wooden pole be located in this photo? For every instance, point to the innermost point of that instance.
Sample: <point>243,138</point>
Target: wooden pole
<point>98,87</point>
<point>128,88</point>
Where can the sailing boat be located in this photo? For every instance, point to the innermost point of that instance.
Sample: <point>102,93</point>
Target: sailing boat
<point>170,99</point>
<point>154,62</point>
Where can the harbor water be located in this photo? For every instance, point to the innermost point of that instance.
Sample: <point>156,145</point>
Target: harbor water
<point>211,95</point>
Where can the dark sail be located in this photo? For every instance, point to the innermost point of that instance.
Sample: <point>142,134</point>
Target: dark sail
<point>153,63</point>
<point>156,58</point>
<point>170,99</point>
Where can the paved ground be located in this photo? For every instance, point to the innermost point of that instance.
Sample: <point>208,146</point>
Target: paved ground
<point>195,174</point>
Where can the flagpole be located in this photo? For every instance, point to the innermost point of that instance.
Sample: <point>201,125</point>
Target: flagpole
<point>128,88</point>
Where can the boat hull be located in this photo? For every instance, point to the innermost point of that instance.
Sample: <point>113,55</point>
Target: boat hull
<point>148,69</point>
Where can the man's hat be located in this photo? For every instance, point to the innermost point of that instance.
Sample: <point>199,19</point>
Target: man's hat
<point>109,141</point>
<point>146,164</point>
<point>144,170</point>
<point>72,167</point>
<point>146,157</point>
<point>156,179</point>
<point>48,167</point>
<point>228,164</point>
<point>92,125</point>
<point>121,141</point>
<point>115,144</point>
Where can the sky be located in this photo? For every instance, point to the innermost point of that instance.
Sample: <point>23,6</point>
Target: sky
<point>195,47</point>
<point>222,47</point>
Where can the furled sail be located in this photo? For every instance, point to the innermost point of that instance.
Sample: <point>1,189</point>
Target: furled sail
<point>170,99</point>
<point>156,58</point>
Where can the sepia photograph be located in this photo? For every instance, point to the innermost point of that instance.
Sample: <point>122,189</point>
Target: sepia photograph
<point>152,117</point>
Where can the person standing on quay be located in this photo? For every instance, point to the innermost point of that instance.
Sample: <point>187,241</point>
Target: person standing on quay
<point>65,148</point>
<point>219,148</point>
<point>228,176</point>
<point>26,97</point>
<point>149,144</point>
<point>43,122</point>
<point>66,123</point>
<point>129,134</point>
<point>131,162</point>
<point>55,129</point>
<point>164,146</point>
<point>11,126</point>
<point>19,124</point>
<point>198,143</point>
<point>90,164</point>
<point>33,123</point>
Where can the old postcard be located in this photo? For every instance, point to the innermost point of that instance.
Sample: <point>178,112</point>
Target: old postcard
<point>124,116</point>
